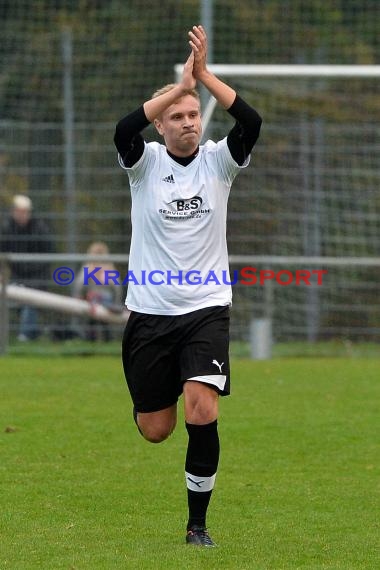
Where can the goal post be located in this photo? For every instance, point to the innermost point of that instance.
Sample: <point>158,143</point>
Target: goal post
<point>279,70</point>
<point>291,70</point>
<point>311,197</point>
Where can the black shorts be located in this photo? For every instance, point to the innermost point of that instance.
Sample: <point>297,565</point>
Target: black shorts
<point>161,352</point>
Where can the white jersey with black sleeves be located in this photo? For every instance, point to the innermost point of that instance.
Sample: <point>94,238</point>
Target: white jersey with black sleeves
<point>178,257</point>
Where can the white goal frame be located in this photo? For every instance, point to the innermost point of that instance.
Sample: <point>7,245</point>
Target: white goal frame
<point>263,70</point>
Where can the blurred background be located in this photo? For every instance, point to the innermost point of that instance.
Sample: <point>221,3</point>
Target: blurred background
<point>70,69</point>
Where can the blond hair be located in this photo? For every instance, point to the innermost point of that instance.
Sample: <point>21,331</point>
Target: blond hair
<point>193,92</point>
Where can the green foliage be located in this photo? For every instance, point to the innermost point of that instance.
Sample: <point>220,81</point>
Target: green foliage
<point>116,41</point>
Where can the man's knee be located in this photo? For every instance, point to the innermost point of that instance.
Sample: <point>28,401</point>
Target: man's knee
<point>155,427</point>
<point>201,403</point>
<point>154,435</point>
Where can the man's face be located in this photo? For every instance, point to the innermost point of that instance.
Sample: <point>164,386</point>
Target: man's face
<point>21,216</point>
<point>181,126</point>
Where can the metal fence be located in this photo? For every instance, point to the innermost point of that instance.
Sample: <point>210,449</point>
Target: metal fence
<point>70,70</point>
<point>303,299</point>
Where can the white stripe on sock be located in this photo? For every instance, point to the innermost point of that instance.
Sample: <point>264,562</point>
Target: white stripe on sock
<point>199,484</point>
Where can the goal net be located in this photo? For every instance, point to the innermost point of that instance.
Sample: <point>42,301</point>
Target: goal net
<point>310,199</point>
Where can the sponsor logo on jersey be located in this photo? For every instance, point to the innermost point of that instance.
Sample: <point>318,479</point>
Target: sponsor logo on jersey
<point>186,205</point>
<point>184,209</point>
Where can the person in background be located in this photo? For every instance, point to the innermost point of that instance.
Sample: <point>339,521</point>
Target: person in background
<point>23,232</point>
<point>106,294</point>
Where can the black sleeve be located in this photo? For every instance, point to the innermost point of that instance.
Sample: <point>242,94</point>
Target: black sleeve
<point>127,139</point>
<point>243,136</point>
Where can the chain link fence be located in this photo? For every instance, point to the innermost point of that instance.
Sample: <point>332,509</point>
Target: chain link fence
<point>70,70</point>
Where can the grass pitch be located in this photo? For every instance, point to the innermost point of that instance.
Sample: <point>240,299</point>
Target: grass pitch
<point>297,488</point>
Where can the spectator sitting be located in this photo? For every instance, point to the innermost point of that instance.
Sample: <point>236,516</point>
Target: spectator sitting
<point>106,294</point>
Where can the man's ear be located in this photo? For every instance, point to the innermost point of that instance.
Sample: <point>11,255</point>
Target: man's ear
<point>158,125</point>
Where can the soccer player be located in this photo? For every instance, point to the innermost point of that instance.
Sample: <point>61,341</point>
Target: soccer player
<point>176,340</point>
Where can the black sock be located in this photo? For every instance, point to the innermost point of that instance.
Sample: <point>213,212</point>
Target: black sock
<point>201,465</point>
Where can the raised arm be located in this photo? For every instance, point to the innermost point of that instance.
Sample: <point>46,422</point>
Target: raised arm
<point>127,139</point>
<point>245,133</point>
<point>154,107</point>
<point>222,92</point>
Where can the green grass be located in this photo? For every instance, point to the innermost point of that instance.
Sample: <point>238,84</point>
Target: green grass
<point>239,349</point>
<point>298,484</point>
